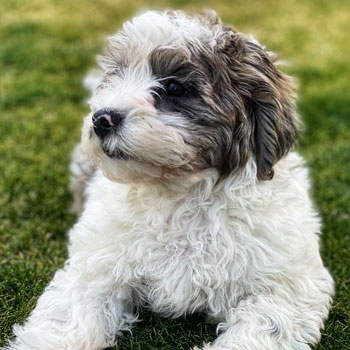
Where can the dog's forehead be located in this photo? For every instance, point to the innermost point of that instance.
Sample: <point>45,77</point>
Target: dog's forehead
<point>168,28</point>
<point>153,30</point>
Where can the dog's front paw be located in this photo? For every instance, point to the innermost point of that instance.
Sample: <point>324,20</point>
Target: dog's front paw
<point>31,337</point>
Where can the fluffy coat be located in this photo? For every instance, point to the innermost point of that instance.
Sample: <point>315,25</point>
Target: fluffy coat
<point>179,222</point>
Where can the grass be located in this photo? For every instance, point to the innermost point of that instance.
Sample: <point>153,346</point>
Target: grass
<point>46,48</point>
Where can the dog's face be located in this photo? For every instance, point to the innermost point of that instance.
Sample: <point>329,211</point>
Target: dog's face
<point>181,94</point>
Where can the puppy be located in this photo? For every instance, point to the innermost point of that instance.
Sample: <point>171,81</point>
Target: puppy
<point>190,197</point>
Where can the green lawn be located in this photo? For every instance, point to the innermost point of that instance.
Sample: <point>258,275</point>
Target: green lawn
<point>46,47</point>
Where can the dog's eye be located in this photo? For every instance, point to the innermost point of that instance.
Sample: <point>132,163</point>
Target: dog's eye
<point>174,88</point>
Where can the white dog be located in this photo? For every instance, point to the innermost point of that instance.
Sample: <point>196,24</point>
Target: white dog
<point>195,204</point>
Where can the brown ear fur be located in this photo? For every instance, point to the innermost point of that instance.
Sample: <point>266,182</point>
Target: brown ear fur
<point>267,103</point>
<point>271,111</point>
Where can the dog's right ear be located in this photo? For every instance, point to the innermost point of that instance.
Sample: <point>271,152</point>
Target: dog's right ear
<point>93,80</point>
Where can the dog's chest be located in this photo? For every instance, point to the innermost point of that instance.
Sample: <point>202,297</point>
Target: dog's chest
<point>179,259</point>
<point>177,273</point>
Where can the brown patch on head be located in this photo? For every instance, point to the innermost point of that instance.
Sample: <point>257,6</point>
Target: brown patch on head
<point>168,61</point>
<point>237,102</point>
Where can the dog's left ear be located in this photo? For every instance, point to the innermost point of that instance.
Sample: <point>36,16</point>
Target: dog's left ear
<point>270,108</point>
<point>267,102</point>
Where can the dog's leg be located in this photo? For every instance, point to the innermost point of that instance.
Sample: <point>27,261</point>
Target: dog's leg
<point>283,320</point>
<point>79,310</point>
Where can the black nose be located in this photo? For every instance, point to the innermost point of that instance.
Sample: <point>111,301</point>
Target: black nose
<point>106,120</point>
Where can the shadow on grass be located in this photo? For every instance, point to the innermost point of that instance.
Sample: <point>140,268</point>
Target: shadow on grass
<point>156,332</point>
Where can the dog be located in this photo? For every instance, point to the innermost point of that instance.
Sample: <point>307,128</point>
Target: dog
<point>190,197</point>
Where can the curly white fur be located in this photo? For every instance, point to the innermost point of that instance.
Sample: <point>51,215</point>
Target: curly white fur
<point>244,251</point>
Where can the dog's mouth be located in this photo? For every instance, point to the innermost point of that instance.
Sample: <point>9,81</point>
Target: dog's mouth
<point>118,154</point>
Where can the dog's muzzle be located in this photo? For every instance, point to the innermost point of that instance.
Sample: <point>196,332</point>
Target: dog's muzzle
<point>106,121</point>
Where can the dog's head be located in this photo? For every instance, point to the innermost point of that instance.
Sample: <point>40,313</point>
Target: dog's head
<point>181,94</point>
